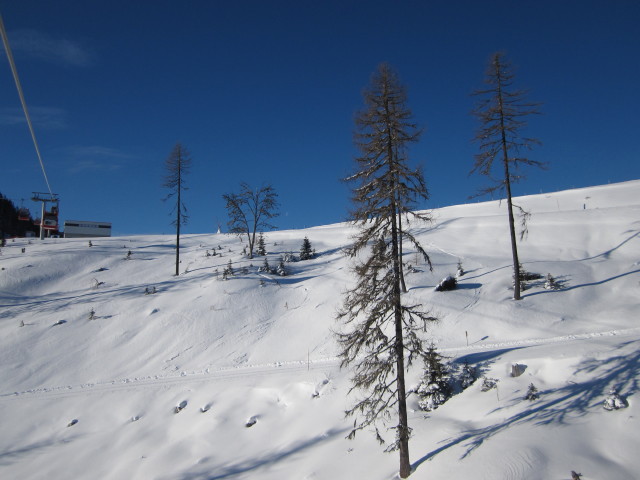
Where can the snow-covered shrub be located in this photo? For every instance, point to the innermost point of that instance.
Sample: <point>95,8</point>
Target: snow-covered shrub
<point>468,375</point>
<point>281,270</point>
<point>228,271</point>
<point>460,271</point>
<point>289,257</point>
<point>551,283</point>
<point>614,401</point>
<point>262,248</point>
<point>265,268</point>
<point>435,387</point>
<point>488,384</point>
<point>447,283</point>
<point>526,277</point>
<point>532,393</point>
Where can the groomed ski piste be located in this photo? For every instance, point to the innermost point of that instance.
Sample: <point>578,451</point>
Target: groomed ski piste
<point>238,379</point>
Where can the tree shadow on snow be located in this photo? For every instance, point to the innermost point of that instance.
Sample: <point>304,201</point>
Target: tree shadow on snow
<point>18,454</point>
<point>559,405</point>
<point>606,254</point>
<point>244,466</point>
<point>573,287</point>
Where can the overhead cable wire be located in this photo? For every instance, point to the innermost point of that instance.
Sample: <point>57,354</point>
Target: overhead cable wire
<point>5,41</point>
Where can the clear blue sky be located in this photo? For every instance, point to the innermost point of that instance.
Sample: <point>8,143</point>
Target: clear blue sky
<point>266,91</point>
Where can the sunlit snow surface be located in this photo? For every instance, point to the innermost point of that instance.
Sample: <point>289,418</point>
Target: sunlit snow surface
<point>237,379</point>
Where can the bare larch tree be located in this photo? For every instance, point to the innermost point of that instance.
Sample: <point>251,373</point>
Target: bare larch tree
<point>250,211</point>
<point>380,334</point>
<point>177,166</point>
<point>502,111</point>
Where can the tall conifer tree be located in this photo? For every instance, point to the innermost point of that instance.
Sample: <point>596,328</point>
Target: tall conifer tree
<point>502,111</point>
<point>381,334</point>
<point>177,167</point>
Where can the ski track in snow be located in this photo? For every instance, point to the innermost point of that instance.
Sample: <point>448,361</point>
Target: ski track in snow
<point>277,368</point>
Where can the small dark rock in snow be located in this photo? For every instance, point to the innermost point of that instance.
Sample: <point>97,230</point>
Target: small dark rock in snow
<point>446,284</point>
<point>179,408</point>
<point>251,422</point>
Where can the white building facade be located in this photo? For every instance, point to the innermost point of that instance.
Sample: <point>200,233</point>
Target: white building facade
<point>86,229</point>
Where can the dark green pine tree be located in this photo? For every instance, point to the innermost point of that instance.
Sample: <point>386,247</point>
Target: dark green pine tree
<point>381,334</point>
<point>262,247</point>
<point>435,388</point>
<point>306,251</point>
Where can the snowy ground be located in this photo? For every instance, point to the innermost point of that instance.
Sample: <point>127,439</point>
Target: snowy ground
<point>264,354</point>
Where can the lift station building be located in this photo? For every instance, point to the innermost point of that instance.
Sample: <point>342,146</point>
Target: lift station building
<point>86,229</point>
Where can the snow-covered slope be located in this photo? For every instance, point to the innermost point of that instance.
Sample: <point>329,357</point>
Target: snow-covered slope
<point>260,348</point>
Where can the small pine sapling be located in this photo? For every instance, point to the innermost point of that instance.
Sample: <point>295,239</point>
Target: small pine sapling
<point>532,393</point>
<point>262,247</point>
<point>306,251</point>
<point>435,387</point>
<point>282,270</point>
<point>228,271</point>
<point>551,283</point>
<point>266,268</point>
<point>468,375</point>
<point>460,271</point>
<point>488,384</point>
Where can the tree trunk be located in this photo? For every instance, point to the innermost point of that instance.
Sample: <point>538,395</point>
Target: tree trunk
<point>178,221</point>
<point>403,286</point>
<point>507,181</point>
<point>514,246</point>
<point>403,421</point>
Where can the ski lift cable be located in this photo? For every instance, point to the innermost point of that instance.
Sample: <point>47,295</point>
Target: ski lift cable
<point>14,71</point>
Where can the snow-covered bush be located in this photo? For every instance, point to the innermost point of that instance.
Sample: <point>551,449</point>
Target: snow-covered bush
<point>488,384</point>
<point>435,387</point>
<point>265,268</point>
<point>527,277</point>
<point>468,375</point>
<point>614,401</point>
<point>281,270</point>
<point>289,257</point>
<point>447,283</point>
<point>460,271</point>
<point>228,271</point>
<point>262,248</point>
<point>532,393</point>
<point>551,283</point>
